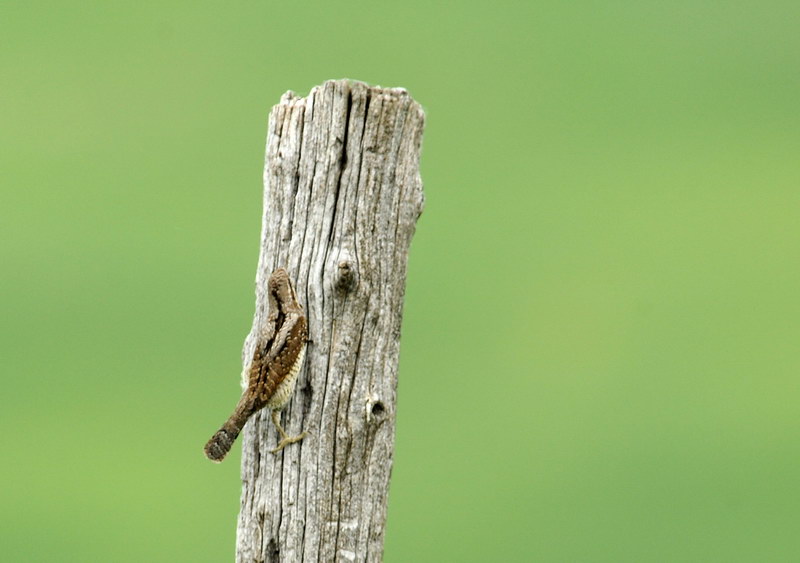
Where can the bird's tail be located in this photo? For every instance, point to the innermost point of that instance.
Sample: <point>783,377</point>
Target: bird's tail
<point>220,443</point>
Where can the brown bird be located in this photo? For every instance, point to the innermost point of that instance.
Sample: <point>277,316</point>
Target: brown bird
<point>278,356</point>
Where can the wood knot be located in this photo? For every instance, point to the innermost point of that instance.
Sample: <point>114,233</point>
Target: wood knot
<point>346,278</point>
<point>375,410</point>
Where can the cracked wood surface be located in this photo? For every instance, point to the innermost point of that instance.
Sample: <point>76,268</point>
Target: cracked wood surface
<point>342,194</point>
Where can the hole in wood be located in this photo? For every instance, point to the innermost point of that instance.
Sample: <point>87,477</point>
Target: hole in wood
<point>378,409</point>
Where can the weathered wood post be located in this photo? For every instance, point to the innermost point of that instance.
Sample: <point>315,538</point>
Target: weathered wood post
<point>342,194</point>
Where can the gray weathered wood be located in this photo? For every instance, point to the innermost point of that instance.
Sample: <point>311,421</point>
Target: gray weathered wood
<point>342,195</point>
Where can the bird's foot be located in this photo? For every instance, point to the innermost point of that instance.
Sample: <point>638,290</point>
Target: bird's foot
<point>286,440</point>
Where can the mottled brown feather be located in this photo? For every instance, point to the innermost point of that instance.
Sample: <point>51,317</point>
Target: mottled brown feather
<point>276,354</point>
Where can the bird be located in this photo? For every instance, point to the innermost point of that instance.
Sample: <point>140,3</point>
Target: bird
<point>279,353</point>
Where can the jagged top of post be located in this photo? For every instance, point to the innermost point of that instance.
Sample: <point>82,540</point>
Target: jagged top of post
<point>346,84</point>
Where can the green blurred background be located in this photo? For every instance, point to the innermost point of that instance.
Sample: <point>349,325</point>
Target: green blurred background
<point>599,358</point>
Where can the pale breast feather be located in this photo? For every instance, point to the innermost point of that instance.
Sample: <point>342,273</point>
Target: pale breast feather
<point>284,390</point>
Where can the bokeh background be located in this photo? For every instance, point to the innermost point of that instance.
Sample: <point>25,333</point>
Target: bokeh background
<point>599,358</point>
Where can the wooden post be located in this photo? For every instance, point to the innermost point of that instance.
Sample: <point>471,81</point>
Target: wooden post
<point>342,195</point>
